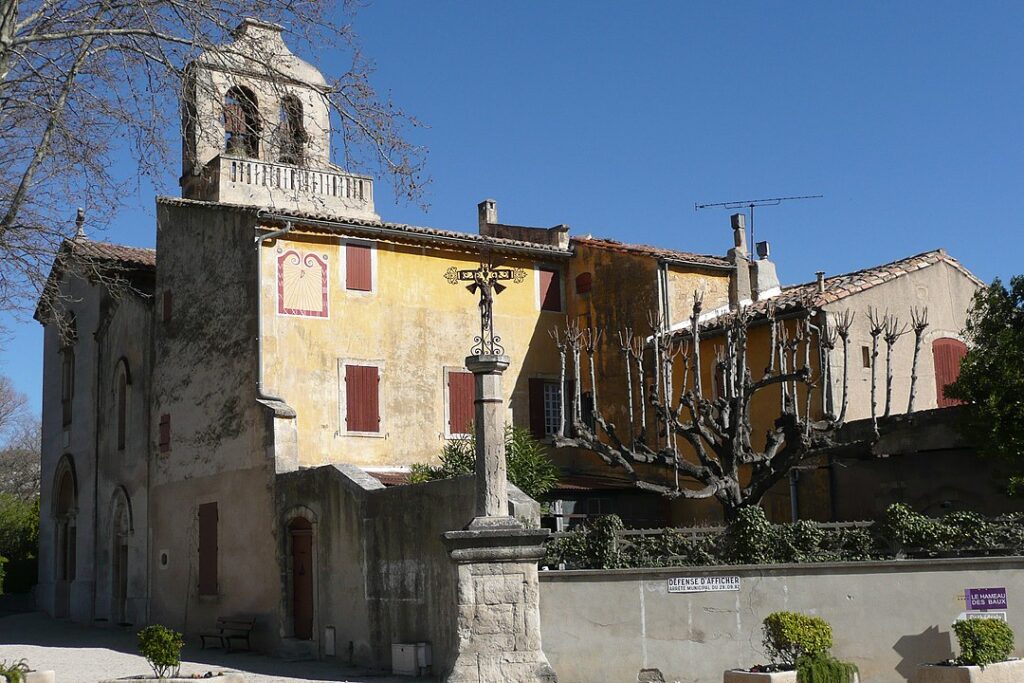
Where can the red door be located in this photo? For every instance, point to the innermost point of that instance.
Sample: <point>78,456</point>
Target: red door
<point>302,577</point>
<point>947,354</point>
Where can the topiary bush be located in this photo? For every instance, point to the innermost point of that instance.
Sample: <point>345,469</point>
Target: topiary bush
<point>983,641</point>
<point>788,636</point>
<point>162,649</point>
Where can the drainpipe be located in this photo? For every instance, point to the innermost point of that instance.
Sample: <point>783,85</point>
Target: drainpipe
<point>260,394</point>
<point>794,495</point>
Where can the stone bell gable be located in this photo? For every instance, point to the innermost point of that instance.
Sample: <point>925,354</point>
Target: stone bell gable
<point>256,131</point>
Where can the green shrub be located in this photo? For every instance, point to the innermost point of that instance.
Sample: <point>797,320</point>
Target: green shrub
<point>529,466</point>
<point>15,671</point>
<point>162,649</point>
<point>750,538</point>
<point>788,636</point>
<point>824,668</point>
<point>983,641</point>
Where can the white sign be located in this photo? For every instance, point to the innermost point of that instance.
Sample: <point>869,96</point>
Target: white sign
<point>964,616</point>
<point>703,584</point>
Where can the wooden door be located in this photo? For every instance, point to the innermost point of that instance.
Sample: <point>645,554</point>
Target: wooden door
<point>302,578</point>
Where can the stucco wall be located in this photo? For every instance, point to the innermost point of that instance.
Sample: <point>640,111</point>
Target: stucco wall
<point>221,447</point>
<point>383,574</point>
<point>886,617</point>
<point>945,292</point>
<point>413,326</point>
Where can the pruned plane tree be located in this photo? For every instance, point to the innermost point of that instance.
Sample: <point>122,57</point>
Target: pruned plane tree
<point>696,441</point>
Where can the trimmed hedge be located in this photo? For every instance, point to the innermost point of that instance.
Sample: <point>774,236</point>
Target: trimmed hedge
<point>788,636</point>
<point>752,539</point>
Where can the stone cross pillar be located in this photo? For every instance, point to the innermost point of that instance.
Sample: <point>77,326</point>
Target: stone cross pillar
<point>489,425</point>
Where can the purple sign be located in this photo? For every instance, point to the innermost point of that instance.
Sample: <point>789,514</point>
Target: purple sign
<point>985,598</point>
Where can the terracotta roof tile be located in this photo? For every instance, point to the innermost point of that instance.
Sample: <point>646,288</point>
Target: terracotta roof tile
<point>658,252</point>
<point>115,253</point>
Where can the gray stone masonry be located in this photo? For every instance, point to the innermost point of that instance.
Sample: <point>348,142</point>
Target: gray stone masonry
<point>498,612</point>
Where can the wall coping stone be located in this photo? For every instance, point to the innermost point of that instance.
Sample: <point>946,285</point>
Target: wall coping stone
<point>932,564</point>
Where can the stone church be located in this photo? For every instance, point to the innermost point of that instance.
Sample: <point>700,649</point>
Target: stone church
<point>211,424</point>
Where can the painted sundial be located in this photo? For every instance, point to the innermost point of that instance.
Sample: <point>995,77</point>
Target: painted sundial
<point>302,279</point>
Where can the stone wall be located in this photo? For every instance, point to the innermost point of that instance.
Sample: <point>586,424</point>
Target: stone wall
<point>887,617</point>
<point>383,573</point>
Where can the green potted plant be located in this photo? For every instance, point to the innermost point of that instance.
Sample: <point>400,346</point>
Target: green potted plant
<point>798,646</point>
<point>985,649</point>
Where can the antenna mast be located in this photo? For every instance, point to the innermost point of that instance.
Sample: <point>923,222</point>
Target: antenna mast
<point>750,204</point>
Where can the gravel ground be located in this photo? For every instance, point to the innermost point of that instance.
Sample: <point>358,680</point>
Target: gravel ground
<point>79,654</point>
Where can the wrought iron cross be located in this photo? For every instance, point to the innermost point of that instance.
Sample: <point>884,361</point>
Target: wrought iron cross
<point>486,281</point>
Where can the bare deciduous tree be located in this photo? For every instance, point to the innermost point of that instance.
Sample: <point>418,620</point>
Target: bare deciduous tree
<point>693,435</point>
<point>84,81</point>
<point>19,444</point>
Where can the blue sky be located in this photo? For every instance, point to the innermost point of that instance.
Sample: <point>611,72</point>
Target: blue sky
<point>615,118</point>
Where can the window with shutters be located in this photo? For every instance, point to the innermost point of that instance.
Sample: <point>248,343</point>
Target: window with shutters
<point>208,549</point>
<point>360,401</point>
<point>360,259</point>
<point>947,353</point>
<point>547,410</point>
<point>549,289</point>
<point>460,390</point>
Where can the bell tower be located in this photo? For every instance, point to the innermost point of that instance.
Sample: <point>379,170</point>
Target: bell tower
<point>256,131</point>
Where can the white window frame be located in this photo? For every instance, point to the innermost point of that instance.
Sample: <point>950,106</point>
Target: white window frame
<point>343,266</point>
<point>448,434</point>
<point>343,398</point>
<point>537,267</point>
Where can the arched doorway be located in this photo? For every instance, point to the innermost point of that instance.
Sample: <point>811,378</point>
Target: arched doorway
<point>300,534</point>
<point>65,558</point>
<point>120,532</point>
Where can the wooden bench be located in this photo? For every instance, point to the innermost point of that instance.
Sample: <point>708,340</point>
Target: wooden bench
<point>229,629</point>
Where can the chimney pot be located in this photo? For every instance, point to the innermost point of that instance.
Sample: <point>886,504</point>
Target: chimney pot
<point>821,280</point>
<point>739,231</point>
<point>763,250</point>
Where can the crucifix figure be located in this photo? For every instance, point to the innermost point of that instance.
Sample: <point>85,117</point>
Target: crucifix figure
<point>486,281</point>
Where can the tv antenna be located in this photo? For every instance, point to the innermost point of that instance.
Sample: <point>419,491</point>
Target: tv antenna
<point>750,204</point>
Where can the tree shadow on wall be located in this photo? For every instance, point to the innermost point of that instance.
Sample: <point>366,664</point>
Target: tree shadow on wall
<point>927,647</point>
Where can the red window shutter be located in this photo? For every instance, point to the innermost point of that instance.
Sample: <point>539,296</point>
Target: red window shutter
<point>362,392</point>
<point>537,407</point>
<point>550,290</point>
<point>208,549</point>
<point>947,354</point>
<point>584,281</point>
<point>357,268</point>
<point>461,394</point>
<point>165,433</point>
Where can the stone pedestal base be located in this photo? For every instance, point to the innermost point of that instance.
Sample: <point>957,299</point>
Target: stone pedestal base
<point>498,613</point>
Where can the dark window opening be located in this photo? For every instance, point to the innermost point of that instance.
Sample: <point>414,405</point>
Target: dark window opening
<point>241,123</point>
<point>122,408</point>
<point>865,356</point>
<point>293,133</point>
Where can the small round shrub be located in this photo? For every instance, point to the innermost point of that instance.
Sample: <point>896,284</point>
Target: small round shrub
<point>162,649</point>
<point>983,641</point>
<point>824,668</point>
<point>788,636</point>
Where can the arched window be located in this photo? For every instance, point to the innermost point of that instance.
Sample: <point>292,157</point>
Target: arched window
<point>241,123</point>
<point>293,133</point>
<point>65,509</point>
<point>122,380</point>
<point>947,354</point>
<point>69,335</point>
